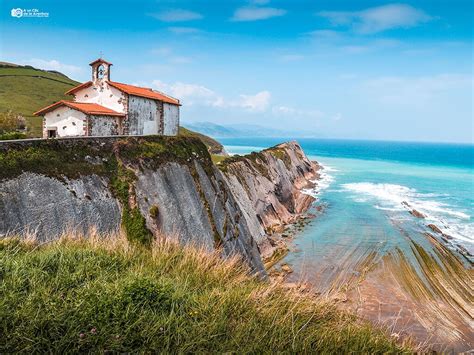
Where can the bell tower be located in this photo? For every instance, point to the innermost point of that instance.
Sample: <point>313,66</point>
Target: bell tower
<point>100,70</point>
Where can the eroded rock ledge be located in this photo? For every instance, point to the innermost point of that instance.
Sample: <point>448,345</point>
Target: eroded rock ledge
<point>267,186</point>
<point>153,187</point>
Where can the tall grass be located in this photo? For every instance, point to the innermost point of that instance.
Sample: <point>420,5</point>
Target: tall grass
<point>102,294</point>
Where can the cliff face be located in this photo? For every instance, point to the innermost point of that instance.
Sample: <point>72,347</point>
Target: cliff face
<point>268,186</point>
<point>151,187</point>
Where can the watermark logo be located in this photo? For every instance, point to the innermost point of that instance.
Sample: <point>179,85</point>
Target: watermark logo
<point>18,13</point>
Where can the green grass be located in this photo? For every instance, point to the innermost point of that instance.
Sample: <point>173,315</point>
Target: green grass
<point>25,90</point>
<point>213,146</point>
<point>103,295</point>
<point>216,159</point>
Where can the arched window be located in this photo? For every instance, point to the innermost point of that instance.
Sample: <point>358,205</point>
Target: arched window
<point>100,71</point>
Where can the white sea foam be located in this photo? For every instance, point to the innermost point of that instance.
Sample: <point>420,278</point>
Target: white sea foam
<point>324,181</point>
<point>390,197</point>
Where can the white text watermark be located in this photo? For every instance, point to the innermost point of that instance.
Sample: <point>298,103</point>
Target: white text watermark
<point>19,13</point>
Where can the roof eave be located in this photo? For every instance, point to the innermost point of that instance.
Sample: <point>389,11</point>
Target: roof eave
<point>52,107</point>
<point>100,60</point>
<point>46,109</point>
<point>117,86</point>
<point>78,87</point>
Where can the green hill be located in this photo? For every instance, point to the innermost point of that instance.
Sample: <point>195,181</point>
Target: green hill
<point>106,296</point>
<point>24,90</point>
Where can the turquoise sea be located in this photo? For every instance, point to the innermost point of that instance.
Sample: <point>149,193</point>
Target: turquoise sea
<point>366,188</point>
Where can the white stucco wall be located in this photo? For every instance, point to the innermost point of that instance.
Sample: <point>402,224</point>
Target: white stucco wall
<point>106,96</point>
<point>68,122</point>
<point>171,119</point>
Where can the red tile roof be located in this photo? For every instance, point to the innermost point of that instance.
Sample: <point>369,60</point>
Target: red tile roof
<point>101,61</point>
<point>144,92</point>
<point>78,87</point>
<point>131,90</point>
<point>87,108</point>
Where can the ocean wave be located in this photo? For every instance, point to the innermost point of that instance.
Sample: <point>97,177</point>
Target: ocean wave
<point>324,181</point>
<point>451,220</point>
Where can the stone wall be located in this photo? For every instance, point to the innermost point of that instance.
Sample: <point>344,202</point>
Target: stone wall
<point>103,125</point>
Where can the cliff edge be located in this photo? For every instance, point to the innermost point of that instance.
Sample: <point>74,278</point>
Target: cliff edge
<point>152,187</point>
<point>268,187</point>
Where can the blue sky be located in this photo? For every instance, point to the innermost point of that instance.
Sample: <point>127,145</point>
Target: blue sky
<point>339,69</point>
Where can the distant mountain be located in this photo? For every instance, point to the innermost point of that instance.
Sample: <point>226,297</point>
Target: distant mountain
<point>213,129</point>
<point>243,130</point>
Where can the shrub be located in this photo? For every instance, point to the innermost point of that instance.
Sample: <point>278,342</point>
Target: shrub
<point>12,135</point>
<point>154,211</point>
<point>10,122</point>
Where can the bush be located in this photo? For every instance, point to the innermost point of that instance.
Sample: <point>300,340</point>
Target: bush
<point>10,122</point>
<point>12,135</point>
<point>154,211</point>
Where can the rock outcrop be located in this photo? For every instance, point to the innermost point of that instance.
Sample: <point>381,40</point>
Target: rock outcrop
<point>268,185</point>
<point>152,187</point>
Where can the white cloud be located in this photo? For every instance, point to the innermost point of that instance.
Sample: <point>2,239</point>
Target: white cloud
<point>325,34</point>
<point>371,46</point>
<point>53,65</point>
<point>195,94</point>
<point>252,13</point>
<point>190,94</point>
<point>256,103</point>
<point>162,51</point>
<point>177,15</point>
<point>167,53</point>
<point>378,19</point>
<point>183,30</point>
<point>292,111</point>
<point>259,2</point>
<point>181,60</point>
<point>413,90</point>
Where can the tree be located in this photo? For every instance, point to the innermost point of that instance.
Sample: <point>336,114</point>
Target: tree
<point>10,122</point>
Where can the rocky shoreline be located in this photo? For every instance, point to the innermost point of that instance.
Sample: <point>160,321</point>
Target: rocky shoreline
<point>270,183</point>
<point>447,239</point>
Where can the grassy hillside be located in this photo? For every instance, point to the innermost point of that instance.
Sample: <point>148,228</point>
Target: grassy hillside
<point>214,146</point>
<point>103,295</point>
<point>24,90</point>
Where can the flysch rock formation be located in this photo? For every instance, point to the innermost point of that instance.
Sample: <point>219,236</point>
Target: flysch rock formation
<point>268,186</point>
<point>163,186</point>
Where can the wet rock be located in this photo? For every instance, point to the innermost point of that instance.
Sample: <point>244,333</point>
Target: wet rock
<point>417,214</point>
<point>435,228</point>
<point>286,268</point>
